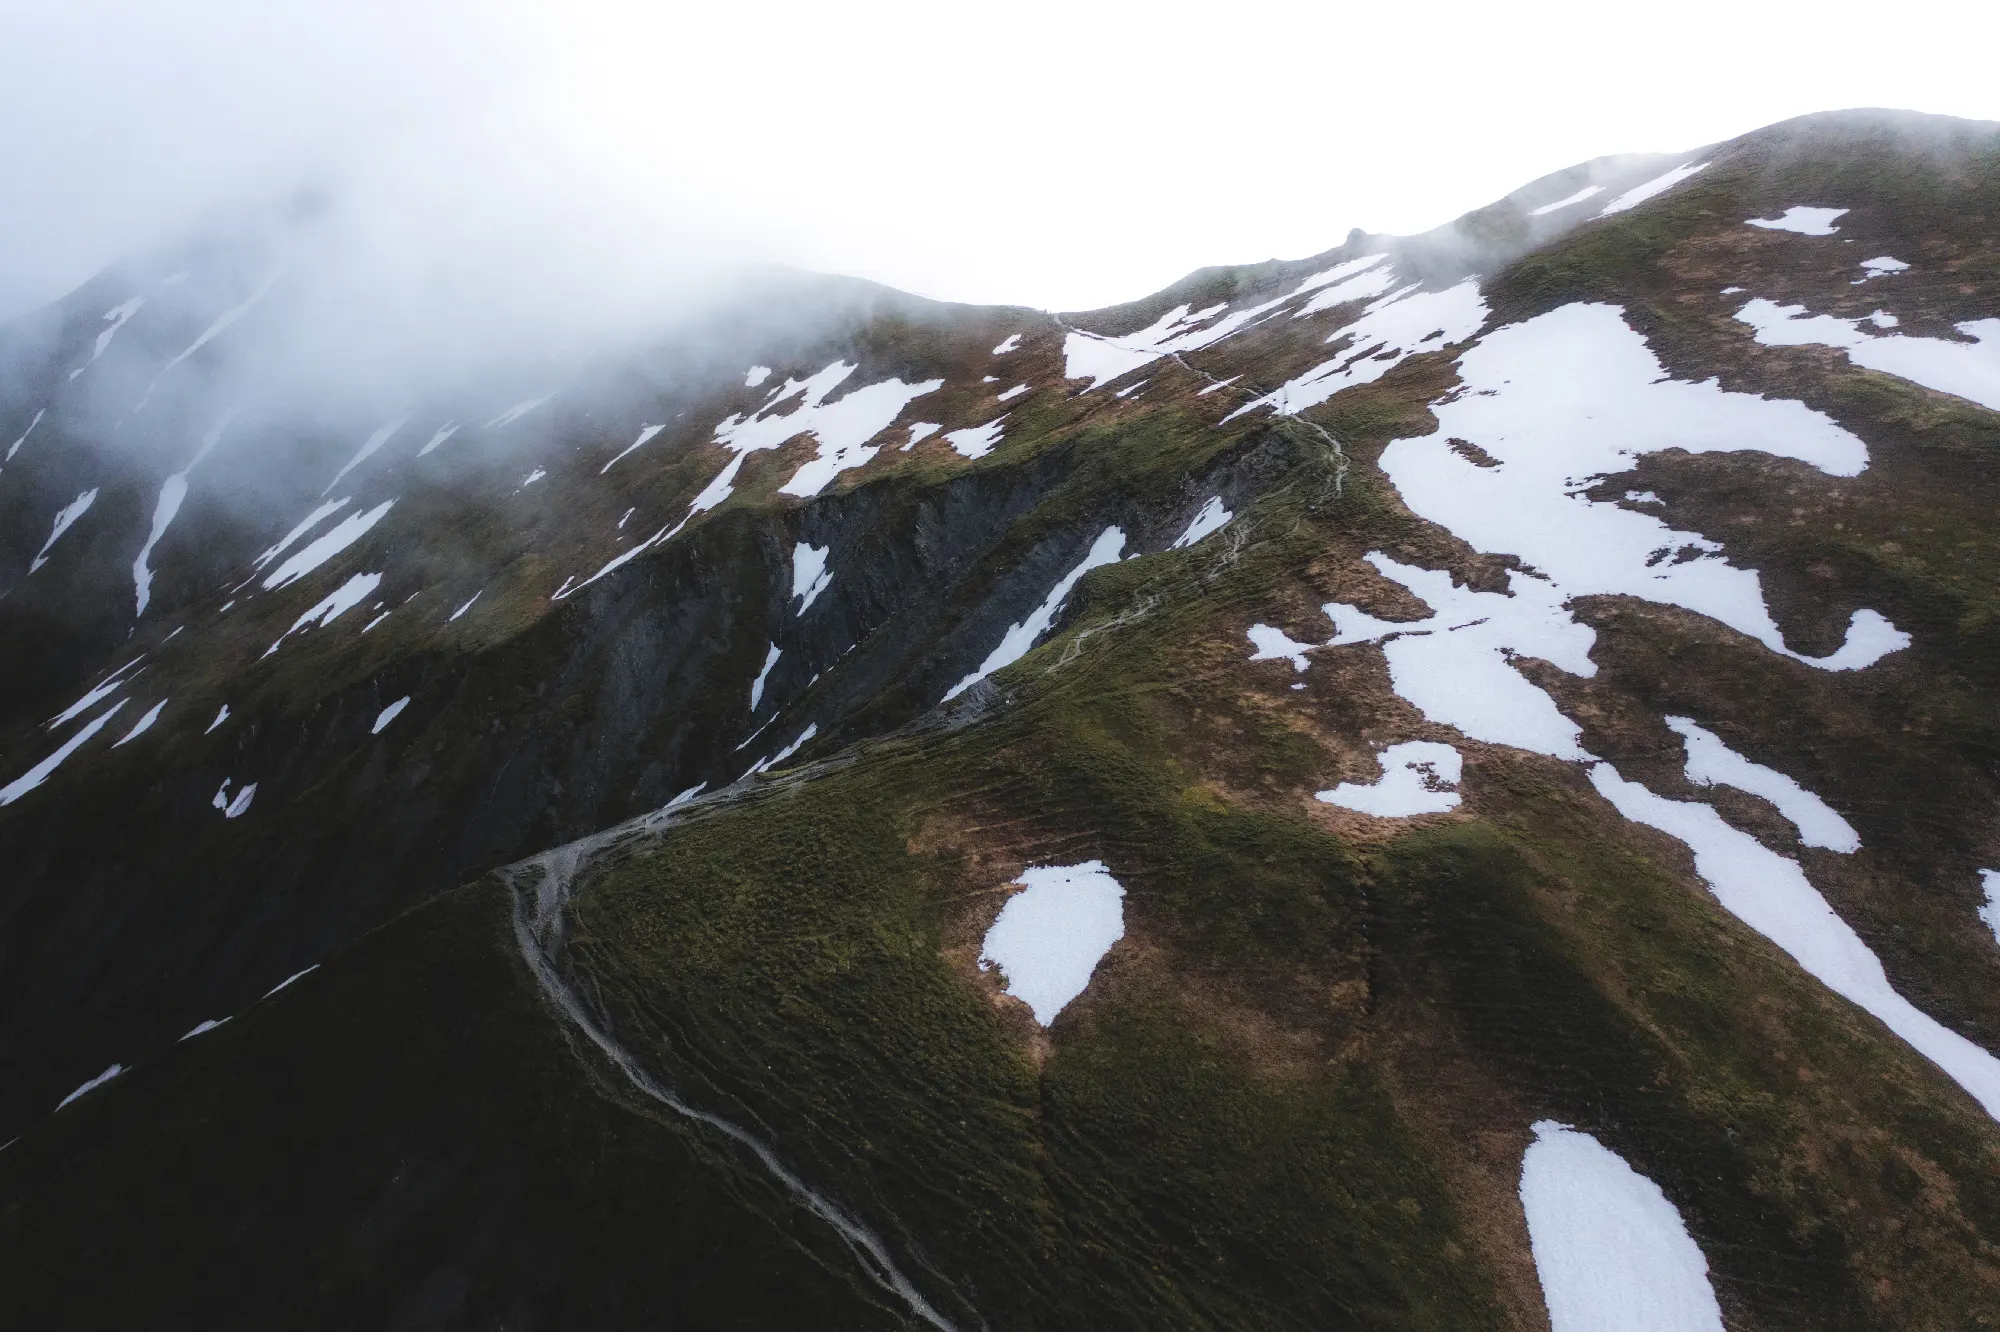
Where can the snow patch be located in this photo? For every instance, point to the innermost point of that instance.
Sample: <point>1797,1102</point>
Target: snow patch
<point>466,607</point>
<point>1274,644</point>
<point>1805,221</point>
<point>323,548</point>
<point>209,334</point>
<point>1212,519</point>
<point>1388,333</point>
<point>1050,936</point>
<point>841,428</point>
<point>533,477</point>
<point>1007,344</point>
<point>1882,265</point>
<point>1990,913</point>
<point>103,689</point>
<point>368,449</point>
<point>1418,777</point>
<point>976,441</point>
<point>921,431</point>
<point>1610,1249</point>
<point>38,774</point>
<point>757,375</point>
<point>1638,194</point>
<point>93,1084</point>
<point>117,316</point>
<point>240,806</point>
<point>65,518</point>
<point>439,436</point>
<point>1107,549</point>
<point>757,685</point>
<point>1710,762</point>
<point>1968,370</point>
<point>306,525</point>
<point>332,606</point>
<point>143,725</point>
<point>220,717</point>
<point>646,432</point>
<point>15,447</point>
<point>1363,286</point>
<point>1012,393</point>
<point>172,491</point>
<point>519,410</point>
<point>389,714</point>
<point>810,576</point>
<point>1567,201</point>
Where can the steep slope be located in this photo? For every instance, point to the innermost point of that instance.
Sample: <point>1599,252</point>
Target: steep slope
<point>1532,686</point>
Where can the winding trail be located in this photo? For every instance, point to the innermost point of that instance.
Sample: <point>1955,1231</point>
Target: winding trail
<point>541,886</point>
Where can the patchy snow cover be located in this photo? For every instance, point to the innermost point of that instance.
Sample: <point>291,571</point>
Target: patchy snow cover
<point>389,714</point>
<point>65,518</point>
<point>117,316</point>
<point>38,774</point>
<point>757,375</point>
<point>367,450</point>
<point>241,804</point>
<point>1012,393</point>
<point>143,725</point>
<point>1610,1249</point>
<point>533,477</point>
<point>1710,762</point>
<point>1638,194</point>
<point>976,441</point>
<point>1575,395</point>
<point>519,410</point>
<point>762,764</point>
<point>1567,201</point>
<point>15,447</point>
<point>1967,369</point>
<point>1388,333</point>
<point>1216,386</point>
<point>466,607</point>
<point>209,334</point>
<point>646,432</point>
<point>172,491</point>
<point>921,431</point>
<point>690,793</point>
<point>1131,389</point>
<point>1882,265</point>
<point>841,428</point>
<point>1274,644</point>
<point>1417,778</point>
<point>1212,519</point>
<point>1360,287</point>
<point>1881,319</point>
<point>1805,221</point>
<point>1050,936</point>
<point>810,575</point>
<point>1771,894</point>
<point>103,689</point>
<point>1107,549</point>
<point>295,976</point>
<point>438,436</point>
<point>307,524</point>
<point>93,1084</point>
<point>332,606</point>
<point>1990,913</point>
<point>757,685</point>
<point>1007,344</point>
<point>323,548</point>
<point>205,1026</point>
<point>220,717</point>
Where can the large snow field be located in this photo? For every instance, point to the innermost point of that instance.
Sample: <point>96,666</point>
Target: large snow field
<point>1968,370</point>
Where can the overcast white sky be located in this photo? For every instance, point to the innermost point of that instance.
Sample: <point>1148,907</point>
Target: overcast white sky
<point>1065,154</point>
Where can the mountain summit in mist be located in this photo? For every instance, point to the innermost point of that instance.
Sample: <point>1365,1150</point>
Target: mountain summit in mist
<point>1454,783</point>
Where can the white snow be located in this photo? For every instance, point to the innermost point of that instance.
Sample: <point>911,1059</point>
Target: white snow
<point>758,374</point>
<point>466,607</point>
<point>1050,936</point>
<point>533,477</point>
<point>220,717</point>
<point>841,428</point>
<point>1417,778</point>
<point>1731,291</point>
<point>1363,286</point>
<point>1882,319</point>
<point>209,334</point>
<point>206,1025</point>
<point>389,714</point>
<point>103,689</point>
<point>519,410</point>
<point>65,517</point>
<point>646,432</point>
<point>1130,389</point>
<point>377,620</point>
<point>1610,1249</point>
<point>1217,385</point>
<point>1274,644</point>
<point>1389,332</point>
<point>1967,369</point>
<point>15,447</point>
<point>1638,194</point>
<point>1642,497</point>
<point>1710,762</point>
<point>172,491</point>
<point>757,685</point>
<point>1107,549</point>
<point>1805,221</point>
<point>143,725</point>
<point>310,521</point>
<point>1990,913</point>
<point>1771,894</point>
<point>976,441</point>
<point>342,535</point>
<point>1012,393</point>
<point>117,316</point>
<point>38,774</point>
<point>93,1084</point>
<point>1007,344</point>
<point>241,804</point>
<point>1572,396</point>
<point>1212,519</point>
<point>810,575</point>
<point>332,606</point>
<point>439,436</point>
<point>367,450</point>
<point>1587,192</point>
<point>785,753</point>
<point>1882,265</point>
<point>619,561</point>
<point>921,431</point>
<point>220,800</point>
<point>296,975</point>
<point>690,793</point>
